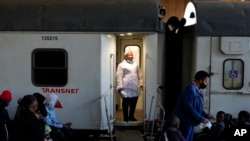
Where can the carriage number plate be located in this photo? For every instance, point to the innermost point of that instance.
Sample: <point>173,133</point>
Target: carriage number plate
<point>49,38</point>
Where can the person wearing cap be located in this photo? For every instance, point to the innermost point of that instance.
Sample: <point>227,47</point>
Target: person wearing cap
<point>129,83</point>
<point>60,131</point>
<point>5,99</point>
<point>28,124</point>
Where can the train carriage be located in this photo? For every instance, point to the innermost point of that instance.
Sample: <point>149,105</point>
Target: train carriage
<point>72,48</point>
<point>217,41</point>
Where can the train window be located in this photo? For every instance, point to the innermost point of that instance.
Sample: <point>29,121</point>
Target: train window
<point>49,67</point>
<point>233,74</point>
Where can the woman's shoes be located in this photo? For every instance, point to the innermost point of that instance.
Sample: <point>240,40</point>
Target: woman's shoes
<point>126,120</point>
<point>132,119</point>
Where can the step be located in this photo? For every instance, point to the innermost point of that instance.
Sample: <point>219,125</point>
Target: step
<point>107,137</point>
<point>131,125</point>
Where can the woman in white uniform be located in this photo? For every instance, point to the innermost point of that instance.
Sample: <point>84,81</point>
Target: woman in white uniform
<point>129,80</point>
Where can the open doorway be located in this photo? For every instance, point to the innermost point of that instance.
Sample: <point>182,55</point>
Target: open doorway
<point>135,44</point>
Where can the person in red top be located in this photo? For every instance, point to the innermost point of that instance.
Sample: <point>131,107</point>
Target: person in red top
<point>5,99</point>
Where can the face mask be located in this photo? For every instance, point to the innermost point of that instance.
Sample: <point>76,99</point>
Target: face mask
<point>130,61</point>
<point>203,86</point>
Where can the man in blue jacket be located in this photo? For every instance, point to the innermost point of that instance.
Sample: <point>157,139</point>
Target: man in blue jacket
<point>189,106</point>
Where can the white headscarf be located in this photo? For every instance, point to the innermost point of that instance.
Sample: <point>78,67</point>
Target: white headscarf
<point>127,51</point>
<point>51,100</point>
<point>125,55</point>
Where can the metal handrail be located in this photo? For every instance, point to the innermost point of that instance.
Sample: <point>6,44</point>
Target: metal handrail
<point>106,94</point>
<point>149,114</point>
<point>163,110</point>
<point>106,111</point>
<point>112,78</point>
<point>158,104</point>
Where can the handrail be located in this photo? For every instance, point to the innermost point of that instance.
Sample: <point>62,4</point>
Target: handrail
<point>106,111</point>
<point>163,110</point>
<point>158,103</point>
<point>112,79</point>
<point>106,94</point>
<point>150,58</point>
<point>149,114</point>
<point>108,119</point>
<point>152,97</point>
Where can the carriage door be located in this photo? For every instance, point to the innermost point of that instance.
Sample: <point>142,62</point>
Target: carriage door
<point>133,43</point>
<point>228,65</point>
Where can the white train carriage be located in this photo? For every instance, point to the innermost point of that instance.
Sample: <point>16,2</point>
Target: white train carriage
<point>216,40</point>
<point>72,48</point>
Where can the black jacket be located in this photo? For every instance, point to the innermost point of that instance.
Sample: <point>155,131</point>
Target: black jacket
<point>28,127</point>
<point>4,119</point>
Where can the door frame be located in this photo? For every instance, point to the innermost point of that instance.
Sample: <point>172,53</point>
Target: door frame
<point>122,43</point>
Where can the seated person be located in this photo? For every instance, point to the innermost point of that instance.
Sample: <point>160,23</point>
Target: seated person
<point>28,124</point>
<point>215,133</point>
<point>5,99</point>
<point>41,103</point>
<point>243,118</point>
<point>172,129</point>
<point>242,122</point>
<point>60,131</point>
